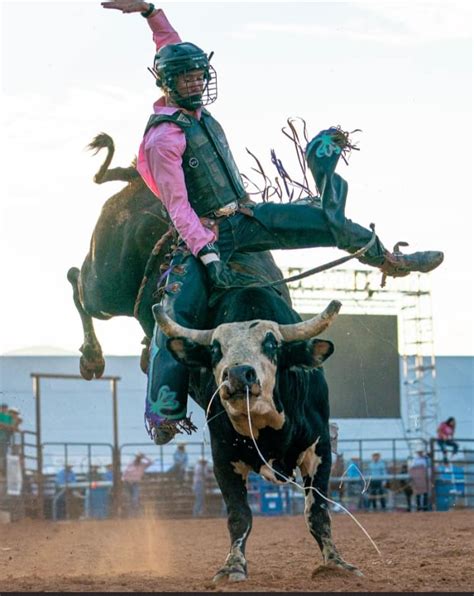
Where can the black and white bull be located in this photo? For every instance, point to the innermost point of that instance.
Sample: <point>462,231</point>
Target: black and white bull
<point>266,365</point>
<point>110,279</point>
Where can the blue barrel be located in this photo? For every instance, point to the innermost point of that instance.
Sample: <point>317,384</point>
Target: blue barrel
<point>266,498</point>
<point>449,485</point>
<point>271,501</point>
<point>99,500</point>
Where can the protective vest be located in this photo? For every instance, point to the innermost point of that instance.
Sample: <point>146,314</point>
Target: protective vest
<point>211,175</point>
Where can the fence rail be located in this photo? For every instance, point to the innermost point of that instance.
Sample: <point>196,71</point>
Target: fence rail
<point>97,490</point>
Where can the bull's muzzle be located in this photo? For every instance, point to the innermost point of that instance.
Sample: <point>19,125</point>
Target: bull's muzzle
<point>240,380</point>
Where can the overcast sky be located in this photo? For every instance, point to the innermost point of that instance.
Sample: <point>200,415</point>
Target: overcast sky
<point>401,72</point>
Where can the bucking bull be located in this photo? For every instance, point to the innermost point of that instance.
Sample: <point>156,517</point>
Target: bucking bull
<point>256,370</point>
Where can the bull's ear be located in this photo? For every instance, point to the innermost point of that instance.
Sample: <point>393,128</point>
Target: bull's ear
<point>189,353</point>
<point>309,354</point>
<point>321,350</point>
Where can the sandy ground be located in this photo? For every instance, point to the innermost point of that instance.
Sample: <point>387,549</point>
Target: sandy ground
<point>420,552</point>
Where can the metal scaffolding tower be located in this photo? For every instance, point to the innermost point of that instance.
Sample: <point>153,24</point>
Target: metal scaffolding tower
<point>408,298</point>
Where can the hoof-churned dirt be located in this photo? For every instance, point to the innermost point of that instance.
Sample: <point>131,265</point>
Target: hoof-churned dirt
<point>420,552</point>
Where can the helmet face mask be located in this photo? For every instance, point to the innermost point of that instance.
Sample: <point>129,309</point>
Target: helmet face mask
<point>183,71</point>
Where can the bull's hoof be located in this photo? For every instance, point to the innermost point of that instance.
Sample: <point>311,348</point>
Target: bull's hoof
<point>341,564</point>
<point>91,368</point>
<point>230,573</point>
<point>347,567</point>
<point>337,564</point>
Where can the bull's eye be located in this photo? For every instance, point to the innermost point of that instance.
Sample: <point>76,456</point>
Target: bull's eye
<point>216,353</point>
<point>270,346</point>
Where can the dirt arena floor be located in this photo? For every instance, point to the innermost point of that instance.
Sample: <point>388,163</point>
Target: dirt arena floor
<point>420,552</point>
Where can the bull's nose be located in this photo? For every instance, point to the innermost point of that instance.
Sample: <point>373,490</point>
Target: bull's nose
<point>241,375</point>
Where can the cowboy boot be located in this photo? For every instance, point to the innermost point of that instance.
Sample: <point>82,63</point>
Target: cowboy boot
<point>397,264</point>
<point>323,153</point>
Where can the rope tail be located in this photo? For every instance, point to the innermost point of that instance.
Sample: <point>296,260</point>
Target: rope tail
<point>150,266</point>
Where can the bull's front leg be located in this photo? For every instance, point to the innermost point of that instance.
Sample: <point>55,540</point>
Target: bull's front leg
<point>316,508</point>
<point>232,482</point>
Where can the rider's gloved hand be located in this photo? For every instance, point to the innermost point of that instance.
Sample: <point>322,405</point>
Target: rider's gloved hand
<point>128,6</point>
<point>220,274</point>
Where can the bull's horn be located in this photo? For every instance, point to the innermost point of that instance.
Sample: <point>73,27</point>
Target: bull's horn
<point>173,329</point>
<point>312,327</point>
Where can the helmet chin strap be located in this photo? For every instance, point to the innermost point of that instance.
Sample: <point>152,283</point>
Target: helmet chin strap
<point>193,102</point>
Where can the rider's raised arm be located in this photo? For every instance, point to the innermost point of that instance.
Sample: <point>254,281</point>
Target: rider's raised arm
<point>161,152</point>
<point>163,32</point>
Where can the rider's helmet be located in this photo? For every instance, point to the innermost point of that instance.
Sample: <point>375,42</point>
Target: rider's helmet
<point>182,58</point>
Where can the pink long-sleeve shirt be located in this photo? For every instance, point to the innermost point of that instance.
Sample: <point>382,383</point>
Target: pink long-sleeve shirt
<point>445,431</point>
<point>160,157</point>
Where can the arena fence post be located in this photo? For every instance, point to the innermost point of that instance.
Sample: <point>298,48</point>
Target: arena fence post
<point>432,475</point>
<point>39,451</point>
<point>117,487</point>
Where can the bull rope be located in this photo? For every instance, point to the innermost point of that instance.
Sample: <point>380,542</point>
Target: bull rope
<point>150,265</point>
<point>309,487</point>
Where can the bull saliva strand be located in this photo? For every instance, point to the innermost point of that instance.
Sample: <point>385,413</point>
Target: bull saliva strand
<point>291,481</point>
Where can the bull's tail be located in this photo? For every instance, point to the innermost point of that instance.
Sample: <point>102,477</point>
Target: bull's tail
<point>104,141</point>
<point>73,275</point>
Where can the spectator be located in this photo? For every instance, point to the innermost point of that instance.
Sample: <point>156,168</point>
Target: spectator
<point>131,480</point>
<point>336,486</point>
<point>6,431</point>
<point>66,476</point>
<point>420,480</point>
<point>377,469</point>
<point>406,487</point>
<point>31,492</point>
<point>180,462</point>
<point>16,419</point>
<point>201,472</point>
<point>109,473</point>
<point>445,437</point>
<point>6,419</point>
<point>333,435</point>
<point>94,474</point>
<point>355,484</point>
<point>64,499</point>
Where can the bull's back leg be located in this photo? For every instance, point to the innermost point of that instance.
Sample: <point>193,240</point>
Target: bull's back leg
<point>232,482</point>
<point>92,363</point>
<point>316,507</point>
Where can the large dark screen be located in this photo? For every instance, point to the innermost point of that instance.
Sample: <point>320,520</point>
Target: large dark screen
<point>363,373</point>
